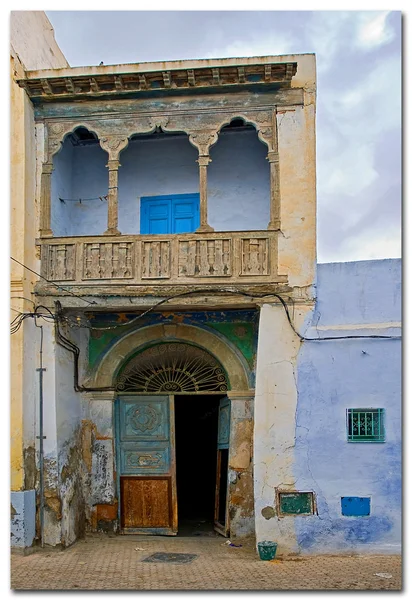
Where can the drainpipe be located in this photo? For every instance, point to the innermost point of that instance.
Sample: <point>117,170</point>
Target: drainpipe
<point>40,370</point>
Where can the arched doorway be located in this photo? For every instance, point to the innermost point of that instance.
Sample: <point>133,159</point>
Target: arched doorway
<point>173,428</point>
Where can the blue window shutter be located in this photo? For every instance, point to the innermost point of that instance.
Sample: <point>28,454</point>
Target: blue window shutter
<point>185,213</point>
<point>169,214</point>
<point>155,216</point>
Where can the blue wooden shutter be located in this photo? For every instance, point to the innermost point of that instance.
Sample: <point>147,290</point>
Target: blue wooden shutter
<point>169,214</point>
<point>185,213</point>
<point>155,216</point>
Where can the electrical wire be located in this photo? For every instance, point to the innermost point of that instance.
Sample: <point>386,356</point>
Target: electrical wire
<point>237,292</point>
<point>52,282</point>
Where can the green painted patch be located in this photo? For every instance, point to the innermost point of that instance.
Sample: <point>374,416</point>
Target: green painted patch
<point>233,325</point>
<point>296,503</point>
<point>242,335</point>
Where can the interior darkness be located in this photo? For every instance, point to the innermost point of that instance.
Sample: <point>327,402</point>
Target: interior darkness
<point>196,419</point>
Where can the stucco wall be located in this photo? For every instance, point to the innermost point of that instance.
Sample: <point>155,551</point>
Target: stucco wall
<point>304,447</point>
<point>32,46</point>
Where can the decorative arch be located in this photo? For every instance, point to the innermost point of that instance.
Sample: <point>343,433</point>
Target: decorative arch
<point>58,132</point>
<point>172,367</point>
<point>128,346</point>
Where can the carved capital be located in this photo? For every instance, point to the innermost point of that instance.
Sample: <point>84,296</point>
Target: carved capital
<point>203,140</point>
<point>113,145</point>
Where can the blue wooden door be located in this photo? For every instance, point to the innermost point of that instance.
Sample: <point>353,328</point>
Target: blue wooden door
<point>222,470</point>
<point>146,464</point>
<point>169,214</point>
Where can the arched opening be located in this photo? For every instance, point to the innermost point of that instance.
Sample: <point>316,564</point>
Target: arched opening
<point>172,368</point>
<point>158,184</point>
<point>238,180</point>
<point>79,186</point>
<point>190,430</point>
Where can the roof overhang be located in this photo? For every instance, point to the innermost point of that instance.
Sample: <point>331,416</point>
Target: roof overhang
<point>165,78</point>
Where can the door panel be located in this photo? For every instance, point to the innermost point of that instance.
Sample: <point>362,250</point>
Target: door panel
<point>223,438</point>
<point>146,465</point>
<point>146,503</point>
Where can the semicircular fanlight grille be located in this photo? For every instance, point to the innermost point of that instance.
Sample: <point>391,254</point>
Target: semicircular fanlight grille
<point>172,368</point>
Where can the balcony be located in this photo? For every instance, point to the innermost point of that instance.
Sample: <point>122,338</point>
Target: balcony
<point>137,264</point>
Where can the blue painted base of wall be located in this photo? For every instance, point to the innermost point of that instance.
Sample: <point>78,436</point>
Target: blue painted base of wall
<point>23,519</point>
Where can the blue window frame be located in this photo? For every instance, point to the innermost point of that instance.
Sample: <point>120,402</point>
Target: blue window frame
<point>169,214</point>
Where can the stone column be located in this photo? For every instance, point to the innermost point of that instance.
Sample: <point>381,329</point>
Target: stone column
<point>45,201</point>
<point>273,158</point>
<point>113,145</point>
<point>203,161</point>
<point>112,201</point>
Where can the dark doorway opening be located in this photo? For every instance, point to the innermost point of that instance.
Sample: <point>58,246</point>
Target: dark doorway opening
<point>196,419</point>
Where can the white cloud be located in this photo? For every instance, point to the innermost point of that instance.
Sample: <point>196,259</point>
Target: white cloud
<point>364,246</point>
<point>324,34</point>
<point>373,30</point>
<point>348,172</point>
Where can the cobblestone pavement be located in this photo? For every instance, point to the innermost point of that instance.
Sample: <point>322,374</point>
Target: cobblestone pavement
<point>115,563</point>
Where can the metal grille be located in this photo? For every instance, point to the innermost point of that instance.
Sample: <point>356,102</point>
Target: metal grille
<point>172,368</point>
<point>365,425</point>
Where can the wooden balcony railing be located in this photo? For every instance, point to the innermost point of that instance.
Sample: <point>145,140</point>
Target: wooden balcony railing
<point>190,258</point>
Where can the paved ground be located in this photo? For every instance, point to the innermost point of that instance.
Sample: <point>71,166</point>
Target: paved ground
<point>115,563</point>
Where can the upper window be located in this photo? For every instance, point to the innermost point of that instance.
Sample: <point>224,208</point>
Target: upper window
<point>365,425</point>
<point>169,214</point>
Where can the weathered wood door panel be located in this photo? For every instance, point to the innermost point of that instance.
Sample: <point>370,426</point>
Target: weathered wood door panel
<point>146,464</point>
<point>146,502</point>
<point>223,438</point>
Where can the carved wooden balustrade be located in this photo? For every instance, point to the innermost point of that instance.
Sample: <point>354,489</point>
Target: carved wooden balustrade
<point>239,257</point>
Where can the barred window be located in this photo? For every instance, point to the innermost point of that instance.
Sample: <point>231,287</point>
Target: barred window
<point>365,424</point>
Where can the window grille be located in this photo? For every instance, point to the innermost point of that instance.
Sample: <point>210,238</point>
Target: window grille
<point>173,368</point>
<point>365,424</point>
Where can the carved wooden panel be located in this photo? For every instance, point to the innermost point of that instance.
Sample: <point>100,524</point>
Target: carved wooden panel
<point>145,419</point>
<point>155,259</point>
<point>62,262</point>
<point>205,258</point>
<point>255,256</point>
<point>145,502</point>
<point>111,260</point>
<point>145,460</point>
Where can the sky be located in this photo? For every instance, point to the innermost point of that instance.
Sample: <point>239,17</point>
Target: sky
<point>359,95</point>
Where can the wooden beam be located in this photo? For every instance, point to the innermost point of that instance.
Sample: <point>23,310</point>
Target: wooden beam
<point>46,87</point>
<point>118,82</point>
<point>69,85</point>
<point>167,79</point>
<point>143,82</point>
<point>191,77</point>
<point>94,86</point>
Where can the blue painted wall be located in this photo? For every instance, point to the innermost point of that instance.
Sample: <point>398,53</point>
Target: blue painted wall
<point>238,182</point>
<point>79,172</point>
<point>341,374</point>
